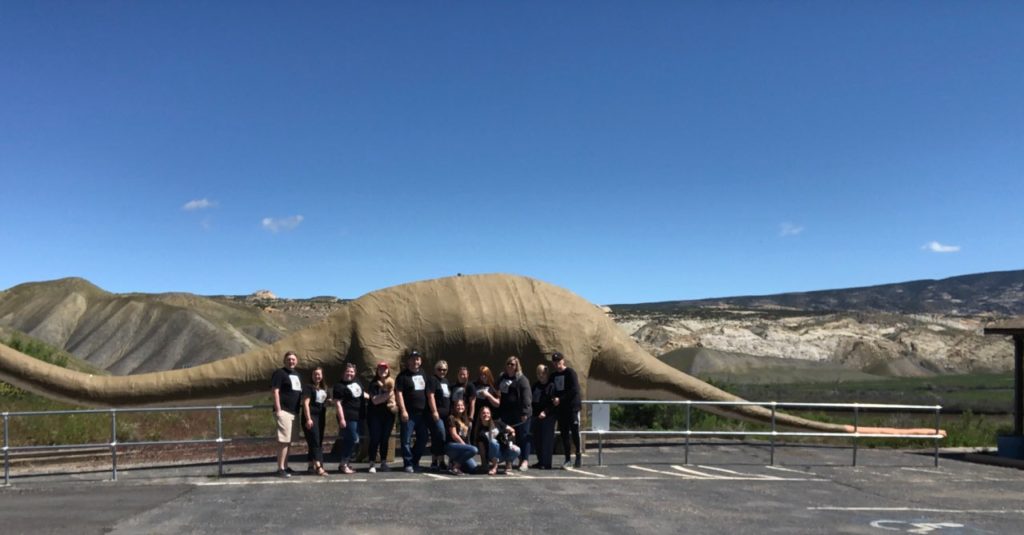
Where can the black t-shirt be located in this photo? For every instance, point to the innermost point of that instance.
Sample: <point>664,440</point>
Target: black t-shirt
<point>567,389</point>
<point>482,401</point>
<point>317,397</point>
<point>467,392</point>
<point>442,395</point>
<point>350,394</point>
<point>542,397</point>
<point>289,388</point>
<point>413,387</point>
<point>376,389</point>
<point>516,397</point>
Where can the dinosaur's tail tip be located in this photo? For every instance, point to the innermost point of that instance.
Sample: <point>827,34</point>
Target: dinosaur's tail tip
<point>896,430</point>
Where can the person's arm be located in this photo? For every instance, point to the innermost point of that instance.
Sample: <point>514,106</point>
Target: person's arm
<point>472,407</point>
<point>308,413</point>
<point>431,402</point>
<point>526,398</point>
<point>277,399</point>
<point>342,424</point>
<point>400,399</point>
<point>453,433</point>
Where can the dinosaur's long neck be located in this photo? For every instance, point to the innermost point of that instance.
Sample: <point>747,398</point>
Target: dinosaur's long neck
<point>324,344</point>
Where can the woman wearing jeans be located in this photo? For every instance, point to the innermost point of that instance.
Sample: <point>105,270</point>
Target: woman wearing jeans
<point>380,415</point>
<point>458,450</point>
<point>348,397</point>
<point>498,440</point>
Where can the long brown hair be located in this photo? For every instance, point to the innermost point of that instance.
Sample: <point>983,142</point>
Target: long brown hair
<point>486,372</point>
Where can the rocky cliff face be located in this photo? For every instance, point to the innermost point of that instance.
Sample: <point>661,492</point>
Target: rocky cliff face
<point>876,343</point>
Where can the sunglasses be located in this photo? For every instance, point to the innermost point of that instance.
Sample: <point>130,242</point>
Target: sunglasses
<point>442,369</point>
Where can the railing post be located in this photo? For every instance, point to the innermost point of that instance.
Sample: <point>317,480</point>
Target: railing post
<point>686,455</point>
<point>7,453</point>
<point>771,461</point>
<point>600,448</point>
<point>856,430</point>
<point>113,444</point>
<point>938,423</point>
<point>220,443</point>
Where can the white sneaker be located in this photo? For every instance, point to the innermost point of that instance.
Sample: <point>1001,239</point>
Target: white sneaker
<point>524,466</point>
<point>372,470</point>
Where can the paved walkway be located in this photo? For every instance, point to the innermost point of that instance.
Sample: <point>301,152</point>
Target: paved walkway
<point>725,488</point>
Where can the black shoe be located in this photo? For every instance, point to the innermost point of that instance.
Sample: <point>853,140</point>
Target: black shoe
<point>283,473</point>
<point>442,466</point>
<point>578,462</point>
<point>289,470</point>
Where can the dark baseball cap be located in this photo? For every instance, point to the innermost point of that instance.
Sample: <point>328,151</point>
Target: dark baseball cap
<point>556,356</point>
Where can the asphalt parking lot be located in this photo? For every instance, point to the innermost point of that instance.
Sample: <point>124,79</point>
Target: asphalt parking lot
<point>725,488</point>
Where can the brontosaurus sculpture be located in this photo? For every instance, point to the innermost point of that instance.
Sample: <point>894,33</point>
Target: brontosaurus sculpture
<point>467,320</point>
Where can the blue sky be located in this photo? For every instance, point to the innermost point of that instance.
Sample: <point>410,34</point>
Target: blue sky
<point>627,151</point>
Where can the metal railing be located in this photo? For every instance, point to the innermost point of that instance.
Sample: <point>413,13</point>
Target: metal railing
<point>602,430</point>
<point>602,426</point>
<point>114,443</point>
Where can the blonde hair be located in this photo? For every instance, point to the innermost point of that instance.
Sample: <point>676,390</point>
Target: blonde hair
<point>514,360</point>
<point>542,370</point>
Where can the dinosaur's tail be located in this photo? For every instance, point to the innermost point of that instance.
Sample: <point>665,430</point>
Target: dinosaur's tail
<point>624,363</point>
<point>240,375</point>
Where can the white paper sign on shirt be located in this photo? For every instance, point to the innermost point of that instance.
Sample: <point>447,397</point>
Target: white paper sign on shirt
<point>321,396</point>
<point>418,383</point>
<point>444,390</point>
<point>504,386</point>
<point>355,389</point>
<point>296,385</point>
<point>559,382</point>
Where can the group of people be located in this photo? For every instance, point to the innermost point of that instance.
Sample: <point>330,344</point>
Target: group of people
<point>500,421</point>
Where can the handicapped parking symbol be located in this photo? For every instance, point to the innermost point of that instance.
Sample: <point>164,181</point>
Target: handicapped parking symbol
<point>913,527</point>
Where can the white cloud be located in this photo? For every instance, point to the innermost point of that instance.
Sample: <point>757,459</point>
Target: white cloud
<point>282,223</point>
<point>198,204</point>
<point>937,247</point>
<point>789,229</point>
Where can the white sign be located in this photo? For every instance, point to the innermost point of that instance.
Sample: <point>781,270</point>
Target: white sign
<point>600,417</point>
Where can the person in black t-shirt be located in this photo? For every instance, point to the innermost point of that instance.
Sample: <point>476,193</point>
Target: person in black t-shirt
<point>516,398</point>
<point>411,394</point>
<point>285,388</point>
<point>380,415</point>
<point>314,396</point>
<point>349,397</point>
<point>543,420</point>
<point>566,401</point>
<point>464,389</point>
<point>439,400</point>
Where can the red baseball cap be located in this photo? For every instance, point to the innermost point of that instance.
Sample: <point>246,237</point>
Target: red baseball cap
<point>383,364</point>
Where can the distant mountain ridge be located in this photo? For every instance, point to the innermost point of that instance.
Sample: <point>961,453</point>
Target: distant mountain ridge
<point>998,293</point>
<point>136,333</point>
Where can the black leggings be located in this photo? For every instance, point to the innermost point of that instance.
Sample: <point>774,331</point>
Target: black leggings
<point>569,424</point>
<point>315,439</point>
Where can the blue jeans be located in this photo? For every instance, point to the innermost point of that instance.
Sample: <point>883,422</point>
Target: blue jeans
<point>349,440</point>
<point>524,439</point>
<point>437,436</point>
<point>463,455</point>
<point>411,454</point>
<point>494,452</point>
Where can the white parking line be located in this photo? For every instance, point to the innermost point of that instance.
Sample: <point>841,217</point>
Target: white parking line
<point>781,469</point>
<point>578,471</point>
<point>674,474</point>
<point>921,510</point>
<point>435,476</point>
<point>925,470</point>
<point>735,473</point>
<point>697,473</point>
